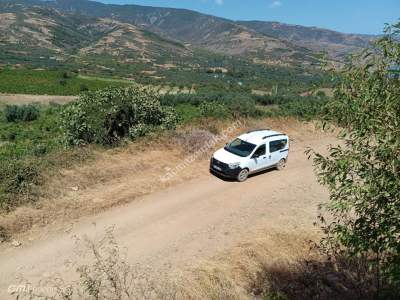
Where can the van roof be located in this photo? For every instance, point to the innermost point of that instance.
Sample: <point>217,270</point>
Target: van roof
<point>258,136</point>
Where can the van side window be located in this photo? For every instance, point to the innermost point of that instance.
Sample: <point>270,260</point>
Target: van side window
<point>277,145</point>
<point>260,151</point>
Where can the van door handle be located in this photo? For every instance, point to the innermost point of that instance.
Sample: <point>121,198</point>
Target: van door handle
<point>270,156</point>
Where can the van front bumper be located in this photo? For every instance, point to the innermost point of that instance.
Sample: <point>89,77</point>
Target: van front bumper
<point>222,169</point>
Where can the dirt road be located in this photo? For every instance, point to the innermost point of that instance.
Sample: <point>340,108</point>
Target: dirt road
<point>182,224</point>
<point>26,99</point>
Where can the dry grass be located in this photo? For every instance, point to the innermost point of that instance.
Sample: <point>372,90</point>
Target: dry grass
<point>274,265</point>
<point>241,272</point>
<point>277,265</point>
<point>26,99</point>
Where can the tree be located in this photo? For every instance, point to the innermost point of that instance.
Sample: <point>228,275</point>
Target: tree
<point>363,173</point>
<point>109,115</point>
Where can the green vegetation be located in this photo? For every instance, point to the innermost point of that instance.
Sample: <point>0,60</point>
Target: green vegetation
<point>222,105</point>
<point>25,81</point>
<point>13,113</point>
<point>363,174</point>
<point>28,149</point>
<point>307,108</point>
<point>107,116</point>
<point>216,104</point>
<point>23,143</point>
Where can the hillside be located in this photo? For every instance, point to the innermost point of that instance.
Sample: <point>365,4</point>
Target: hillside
<point>336,44</point>
<point>87,25</point>
<point>205,30</point>
<point>144,33</point>
<point>40,31</point>
<point>164,46</point>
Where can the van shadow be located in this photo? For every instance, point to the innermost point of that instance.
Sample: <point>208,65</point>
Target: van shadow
<point>227,179</point>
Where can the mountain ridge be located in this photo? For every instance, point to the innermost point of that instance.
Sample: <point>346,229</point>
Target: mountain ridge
<point>218,34</point>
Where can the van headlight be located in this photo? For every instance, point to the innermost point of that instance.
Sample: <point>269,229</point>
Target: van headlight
<point>234,165</point>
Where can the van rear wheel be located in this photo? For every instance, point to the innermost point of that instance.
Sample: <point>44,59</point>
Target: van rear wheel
<point>281,165</point>
<point>243,175</point>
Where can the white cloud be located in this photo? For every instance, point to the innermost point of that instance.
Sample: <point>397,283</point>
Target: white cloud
<point>219,2</point>
<point>275,4</point>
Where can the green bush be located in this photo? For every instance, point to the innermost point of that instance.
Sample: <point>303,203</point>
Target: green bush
<point>243,106</point>
<point>214,109</point>
<point>362,171</point>
<point>305,108</point>
<point>14,113</point>
<point>272,99</point>
<point>107,116</point>
<point>217,104</point>
<point>83,88</point>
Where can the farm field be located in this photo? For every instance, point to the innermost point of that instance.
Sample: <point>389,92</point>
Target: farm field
<point>47,82</point>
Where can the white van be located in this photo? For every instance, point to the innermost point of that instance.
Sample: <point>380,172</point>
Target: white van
<point>250,153</point>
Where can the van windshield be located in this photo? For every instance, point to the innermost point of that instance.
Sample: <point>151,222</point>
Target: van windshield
<point>240,148</point>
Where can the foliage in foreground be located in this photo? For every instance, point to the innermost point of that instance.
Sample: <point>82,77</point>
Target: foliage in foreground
<point>363,174</point>
<point>107,116</point>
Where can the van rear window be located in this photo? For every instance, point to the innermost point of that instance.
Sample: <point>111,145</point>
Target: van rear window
<point>277,145</point>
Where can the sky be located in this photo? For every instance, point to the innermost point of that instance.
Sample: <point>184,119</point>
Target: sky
<point>350,16</point>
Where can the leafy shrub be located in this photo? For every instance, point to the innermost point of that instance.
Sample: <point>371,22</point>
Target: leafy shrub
<point>271,99</point>
<point>107,116</point>
<point>83,88</point>
<point>320,94</point>
<point>217,104</point>
<point>305,108</point>
<point>214,109</point>
<point>244,106</point>
<point>14,113</point>
<point>362,172</point>
<point>62,82</point>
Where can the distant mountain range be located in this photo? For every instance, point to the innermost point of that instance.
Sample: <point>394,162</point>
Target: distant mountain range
<point>77,28</point>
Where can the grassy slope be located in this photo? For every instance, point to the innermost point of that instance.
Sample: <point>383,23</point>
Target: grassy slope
<point>39,82</point>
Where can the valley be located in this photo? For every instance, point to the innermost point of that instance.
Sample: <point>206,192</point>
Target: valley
<point>111,116</point>
<point>158,46</point>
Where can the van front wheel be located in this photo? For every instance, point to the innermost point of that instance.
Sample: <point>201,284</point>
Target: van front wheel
<point>281,165</point>
<point>243,175</point>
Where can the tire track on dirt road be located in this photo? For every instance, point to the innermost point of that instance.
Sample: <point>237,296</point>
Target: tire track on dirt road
<point>172,228</point>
